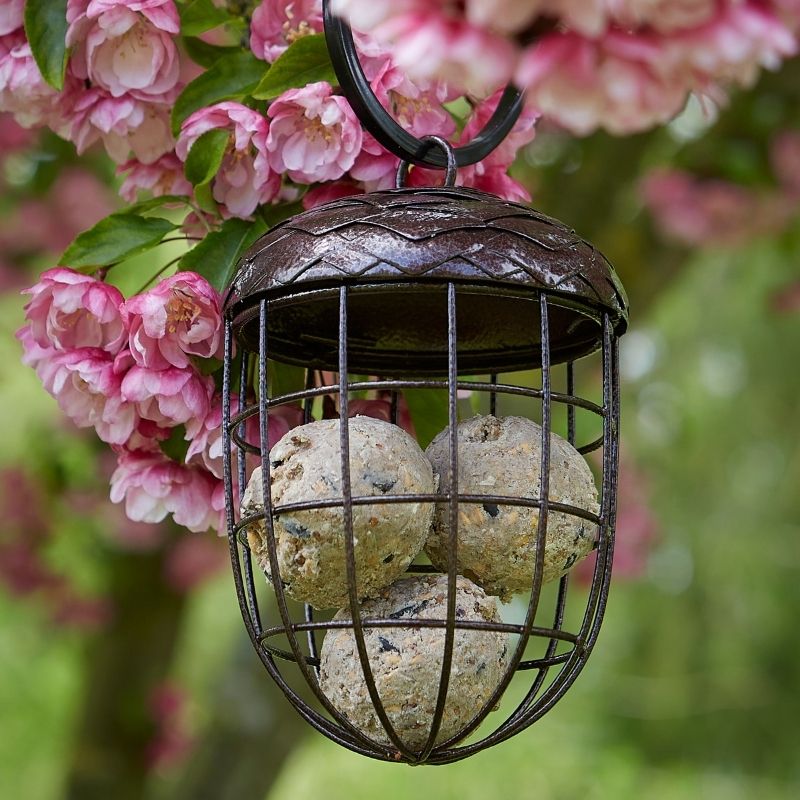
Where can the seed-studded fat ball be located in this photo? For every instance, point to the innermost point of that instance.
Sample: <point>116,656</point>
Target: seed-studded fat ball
<point>406,662</point>
<point>305,465</point>
<point>502,457</point>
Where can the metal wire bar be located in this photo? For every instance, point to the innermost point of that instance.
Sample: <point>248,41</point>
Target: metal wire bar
<point>368,500</point>
<point>563,585</point>
<point>307,608</point>
<point>241,459</point>
<point>452,520</point>
<point>493,395</point>
<point>269,526</point>
<point>350,559</point>
<point>570,407</point>
<point>391,622</point>
<point>539,543</point>
<point>598,596</point>
<point>321,724</point>
<point>431,383</point>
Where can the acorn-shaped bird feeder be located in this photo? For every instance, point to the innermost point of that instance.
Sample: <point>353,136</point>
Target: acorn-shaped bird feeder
<point>420,595</point>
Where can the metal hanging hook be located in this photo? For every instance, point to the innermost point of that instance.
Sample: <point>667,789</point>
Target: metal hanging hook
<point>429,142</point>
<point>386,130</point>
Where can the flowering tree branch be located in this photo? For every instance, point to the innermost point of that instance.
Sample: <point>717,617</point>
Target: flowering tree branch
<point>224,118</point>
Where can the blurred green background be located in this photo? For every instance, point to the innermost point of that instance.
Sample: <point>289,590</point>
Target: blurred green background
<point>126,671</point>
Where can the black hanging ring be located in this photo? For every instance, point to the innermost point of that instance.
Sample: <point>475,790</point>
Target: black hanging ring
<point>377,120</point>
<point>429,142</point>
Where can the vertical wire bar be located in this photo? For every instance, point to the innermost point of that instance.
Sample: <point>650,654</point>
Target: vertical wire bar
<point>394,407</point>
<point>452,519</point>
<point>308,404</point>
<point>308,610</point>
<point>539,543</point>
<point>347,511</point>
<point>601,577</point>
<point>493,396</point>
<point>269,522</point>
<point>347,736</point>
<point>241,460</point>
<point>563,585</point>
<point>570,407</point>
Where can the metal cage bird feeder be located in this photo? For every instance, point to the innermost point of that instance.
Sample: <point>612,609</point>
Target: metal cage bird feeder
<point>442,290</point>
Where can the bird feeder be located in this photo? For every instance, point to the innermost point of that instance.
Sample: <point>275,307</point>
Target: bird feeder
<point>434,293</point>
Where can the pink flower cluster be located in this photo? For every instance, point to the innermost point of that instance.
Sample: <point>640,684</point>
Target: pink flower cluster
<point>624,65</point>
<point>718,213</point>
<point>122,76</point>
<point>126,368</point>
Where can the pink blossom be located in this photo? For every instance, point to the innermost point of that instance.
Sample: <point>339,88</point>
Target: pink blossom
<point>169,397</point>
<point>374,166</point>
<point>124,47</point>
<point>178,318</point>
<point>245,179</point>
<point>416,105</point>
<point>382,409</point>
<point>23,91</point>
<point>330,191</point>
<point>507,16</point>
<point>163,176</point>
<point>12,135</point>
<point>664,16</point>
<point>153,486</point>
<point>785,158</point>
<point>11,16</point>
<point>87,389</point>
<point>519,136</point>
<point>430,44</point>
<point>69,310</point>
<point>314,135</point>
<point>124,124</point>
<point>40,359</point>
<point>615,82</point>
<point>364,15</point>
<point>206,446</point>
<point>732,47</point>
<point>495,180</point>
<point>170,744</point>
<point>276,24</point>
<point>710,212</point>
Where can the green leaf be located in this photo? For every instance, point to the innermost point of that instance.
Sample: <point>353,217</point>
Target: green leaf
<point>115,238</point>
<point>205,54</point>
<point>216,257</point>
<point>205,156</point>
<point>204,198</point>
<point>199,16</point>
<point>429,411</point>
<point>153,203</point>
<point>46,29</point>
<point>176,446</point>
<point>275,214</point>
<point>306,61</point>
<point>232,77</point>
<point>286,378</point>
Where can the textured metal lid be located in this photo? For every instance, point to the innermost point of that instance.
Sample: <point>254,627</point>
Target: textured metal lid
<point>502,255</point>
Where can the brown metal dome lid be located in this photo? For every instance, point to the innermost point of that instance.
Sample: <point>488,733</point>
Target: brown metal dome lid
<point>392,248</point>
